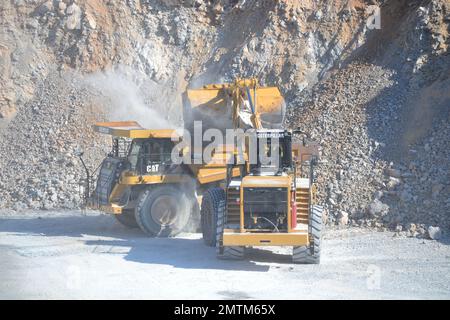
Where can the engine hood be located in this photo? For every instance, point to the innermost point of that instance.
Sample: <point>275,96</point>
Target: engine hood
<point>266,182</point>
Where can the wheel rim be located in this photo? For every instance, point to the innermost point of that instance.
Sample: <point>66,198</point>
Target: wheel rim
<point>164,210</point>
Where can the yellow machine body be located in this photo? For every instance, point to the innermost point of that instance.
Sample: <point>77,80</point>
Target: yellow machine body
<point>204,173</point>
<point>297,236</point>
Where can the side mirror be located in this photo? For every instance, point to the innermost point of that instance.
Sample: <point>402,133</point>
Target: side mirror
<point>300,132</point>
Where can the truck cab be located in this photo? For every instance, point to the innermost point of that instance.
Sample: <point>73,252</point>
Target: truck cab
<point>150,155</point>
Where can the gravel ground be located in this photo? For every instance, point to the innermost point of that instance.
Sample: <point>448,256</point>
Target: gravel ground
<point>75,255</point>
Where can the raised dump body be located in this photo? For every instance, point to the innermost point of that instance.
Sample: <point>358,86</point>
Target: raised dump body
<point>132,130</point>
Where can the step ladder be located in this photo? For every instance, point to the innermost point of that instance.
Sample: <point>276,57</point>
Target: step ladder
<point>302,198</point>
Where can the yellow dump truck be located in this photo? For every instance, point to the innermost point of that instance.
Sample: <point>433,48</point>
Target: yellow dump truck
<point>139,184</point>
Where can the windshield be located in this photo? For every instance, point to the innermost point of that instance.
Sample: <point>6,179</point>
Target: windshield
<point>150,155</point>
<point>273,154</point>
<point>134,154</point>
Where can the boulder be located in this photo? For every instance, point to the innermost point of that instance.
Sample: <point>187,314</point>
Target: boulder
<point>342,218</point>
<point>73,21</point>
<point>434,233</point>
<point>377,208</point>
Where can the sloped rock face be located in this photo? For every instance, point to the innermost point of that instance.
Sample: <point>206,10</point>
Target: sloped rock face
<point>382,120</point>
<point>284,43</point>
<point>377,100</point>
<point>39,166</point>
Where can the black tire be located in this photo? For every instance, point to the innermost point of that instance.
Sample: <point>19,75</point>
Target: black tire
<point>311,254</point>
<point>225,252</point>
<point>163,211</point>
<point>208,214</point>
<point>127,218</point>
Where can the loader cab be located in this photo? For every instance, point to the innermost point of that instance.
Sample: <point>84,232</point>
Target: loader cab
<point>274,152</point>
<point>150,156</point>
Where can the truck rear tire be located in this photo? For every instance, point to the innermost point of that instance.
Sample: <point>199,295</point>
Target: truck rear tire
<point>127,218</point>
<point>163,211</point>
<point>225,252</point>
<point>208,214</point>
<point>311,254</point>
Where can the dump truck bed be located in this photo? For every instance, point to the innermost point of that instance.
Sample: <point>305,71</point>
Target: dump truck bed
<point>132,129</point>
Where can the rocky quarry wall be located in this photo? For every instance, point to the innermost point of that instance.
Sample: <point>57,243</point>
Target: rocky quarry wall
<point>377,100</point>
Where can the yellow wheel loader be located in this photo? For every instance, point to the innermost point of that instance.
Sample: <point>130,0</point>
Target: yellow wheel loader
<point>267,204</point>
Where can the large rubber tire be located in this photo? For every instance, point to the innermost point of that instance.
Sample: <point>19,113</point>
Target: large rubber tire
<point>225,252</point>
<point>311,254</point>
<point>163,211</point>
<point>127,218</point>
<point>208,214</point>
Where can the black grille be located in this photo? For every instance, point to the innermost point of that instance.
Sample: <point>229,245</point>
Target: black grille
<point>265,200</point>
<point>265,208</point>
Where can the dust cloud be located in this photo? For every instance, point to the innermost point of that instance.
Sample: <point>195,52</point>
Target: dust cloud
<point>124,94</point>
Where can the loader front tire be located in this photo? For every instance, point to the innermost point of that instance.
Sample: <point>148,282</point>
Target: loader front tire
<point>311,254</point>
<point>163,211</point>
<point>127,218</point>
<point>225,252</point>
<point>208,214</point>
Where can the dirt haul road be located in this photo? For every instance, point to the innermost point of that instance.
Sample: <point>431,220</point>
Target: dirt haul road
<point>75,255</point>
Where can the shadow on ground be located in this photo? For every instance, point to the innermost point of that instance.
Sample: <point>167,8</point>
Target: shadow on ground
<point>186,251</point>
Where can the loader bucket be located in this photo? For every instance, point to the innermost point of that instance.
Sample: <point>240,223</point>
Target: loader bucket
<point>212,106</point>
